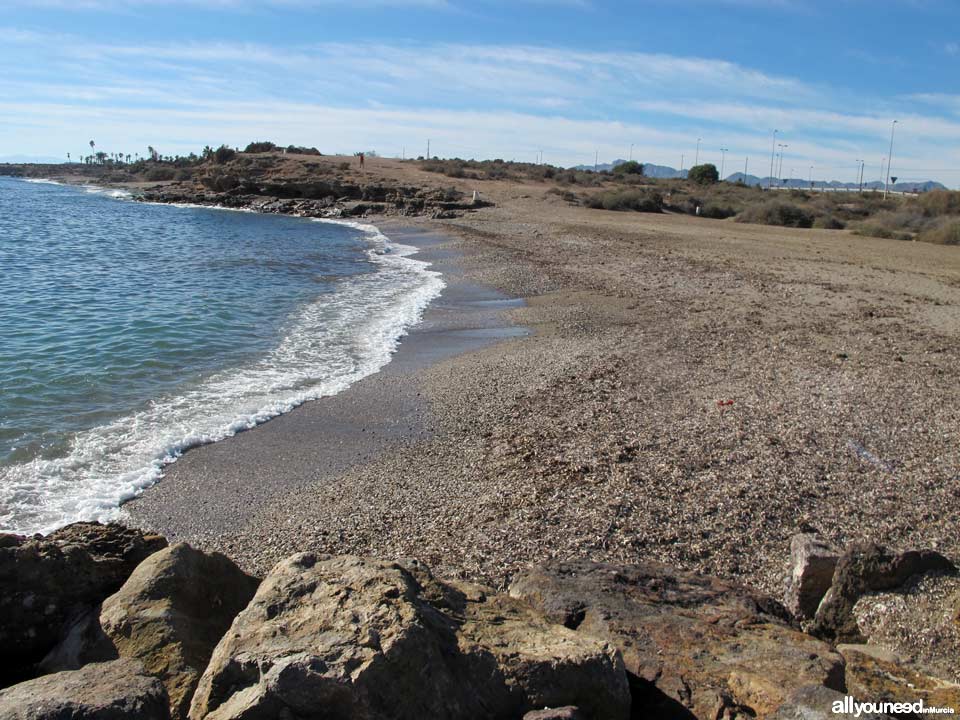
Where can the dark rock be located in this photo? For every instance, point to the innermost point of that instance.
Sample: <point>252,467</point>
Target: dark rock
<point>694,646</point>
<point>364,638</point>
<point>118,690</point>
<point>48,582</point>
<point>868,567</point>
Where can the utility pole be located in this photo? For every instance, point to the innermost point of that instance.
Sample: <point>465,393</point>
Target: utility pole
<point>886,182</point>
<point>596,161</point>
<point>631,152</point>
<point>723,157</point>
<point>780,169</point>
<point>746,163</point>
<point>403,153</point>
<point>863,164</point>
<point>696,160</point>
<point>773,150</point>
<point>681,166</point>
<point>428,148</point>
<point>811,177</point>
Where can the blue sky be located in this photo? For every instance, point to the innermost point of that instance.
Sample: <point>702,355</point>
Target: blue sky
<point>486,79</point>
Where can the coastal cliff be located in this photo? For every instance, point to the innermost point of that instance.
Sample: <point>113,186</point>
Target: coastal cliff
<point>168,631</point>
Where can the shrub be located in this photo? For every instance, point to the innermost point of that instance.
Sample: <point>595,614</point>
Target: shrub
<point>872,229</point>
<point>940,202</point>
<point>637,200</point>
<point>261,146</point>
<point>828,222</point>
<point>224,154</point>
<point>631,167</point>
<point>298,150</point>
<point>716,212</point>
<point>946,232</point>
<point>705,174</point>
<point>776,212</point>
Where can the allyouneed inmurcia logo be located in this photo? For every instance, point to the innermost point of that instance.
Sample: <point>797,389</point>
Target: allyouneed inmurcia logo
<point>849,706</point>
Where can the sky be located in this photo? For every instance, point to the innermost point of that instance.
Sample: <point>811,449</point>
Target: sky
<point>574,80</point>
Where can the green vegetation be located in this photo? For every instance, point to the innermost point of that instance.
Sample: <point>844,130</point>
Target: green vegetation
<point>705,174</point>
<point>260,146</point>
<point>631,167</point>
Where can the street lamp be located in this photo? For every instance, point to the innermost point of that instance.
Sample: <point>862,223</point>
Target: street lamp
<point>886,182</point>
<point>773,151</point>
<point>780,169</point>
<point>723,157</point>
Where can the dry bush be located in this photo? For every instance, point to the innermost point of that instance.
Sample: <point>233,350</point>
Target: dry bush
<point>944,232</point>
<point>627,199</point>
<point>777,212</point>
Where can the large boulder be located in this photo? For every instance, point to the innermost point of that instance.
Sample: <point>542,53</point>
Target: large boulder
<point>812,562</point>
<point>692,644</point>
<point>117,690</point>
<point>172,612</point>
<point>349,637</point>
<point>47,582</point>
<point>863,568</point>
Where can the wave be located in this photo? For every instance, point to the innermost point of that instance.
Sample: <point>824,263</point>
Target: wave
<point>327,346</point>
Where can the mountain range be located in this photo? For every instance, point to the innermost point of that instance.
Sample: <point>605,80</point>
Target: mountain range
<point>663,171</point>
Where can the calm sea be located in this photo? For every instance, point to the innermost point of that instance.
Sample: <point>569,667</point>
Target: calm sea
<point>131,332</point>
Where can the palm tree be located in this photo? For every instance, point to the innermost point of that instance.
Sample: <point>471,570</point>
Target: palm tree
<point>92,145</point>
<point>68,157</point>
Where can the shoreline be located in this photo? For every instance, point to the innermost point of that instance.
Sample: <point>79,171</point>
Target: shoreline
<point>692,393</point>
<point>216,488</point>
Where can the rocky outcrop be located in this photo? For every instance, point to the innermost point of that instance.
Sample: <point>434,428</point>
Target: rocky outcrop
<point>816,702</point>
<point>878,678</point>
<point>118,690</point>
<point>812,562</point>
<point>362,638</point>
<point>172,612</point>
<point>693,645</point>
<point>48,582</point>
<point>863,568</point>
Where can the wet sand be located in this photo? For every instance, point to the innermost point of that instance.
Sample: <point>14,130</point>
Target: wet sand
<point>216,490</point>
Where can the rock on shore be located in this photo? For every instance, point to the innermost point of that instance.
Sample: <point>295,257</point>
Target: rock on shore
<point>190,635</point>
<point>48,582</point>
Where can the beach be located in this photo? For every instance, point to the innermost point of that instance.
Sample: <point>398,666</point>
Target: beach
<point>676,389</point>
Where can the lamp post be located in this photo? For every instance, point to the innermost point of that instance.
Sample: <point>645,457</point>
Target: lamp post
<point>780,169</point>
<point>723,157</point>
<point>773,152</point>
<point>886,182</point>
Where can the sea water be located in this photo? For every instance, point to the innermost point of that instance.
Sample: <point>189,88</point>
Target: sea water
<point>130,332</point>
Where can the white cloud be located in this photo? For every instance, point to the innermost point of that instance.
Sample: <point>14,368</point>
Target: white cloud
<point>471,100</point>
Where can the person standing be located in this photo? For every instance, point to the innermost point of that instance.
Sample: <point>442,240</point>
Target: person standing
<point>361,161</point>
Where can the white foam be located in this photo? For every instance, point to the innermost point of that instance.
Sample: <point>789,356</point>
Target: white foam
<point>327,346</point>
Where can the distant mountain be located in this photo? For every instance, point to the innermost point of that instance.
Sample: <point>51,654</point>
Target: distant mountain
<point>34,159</point>
<point>800,184</point>
<point>663,171</point>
